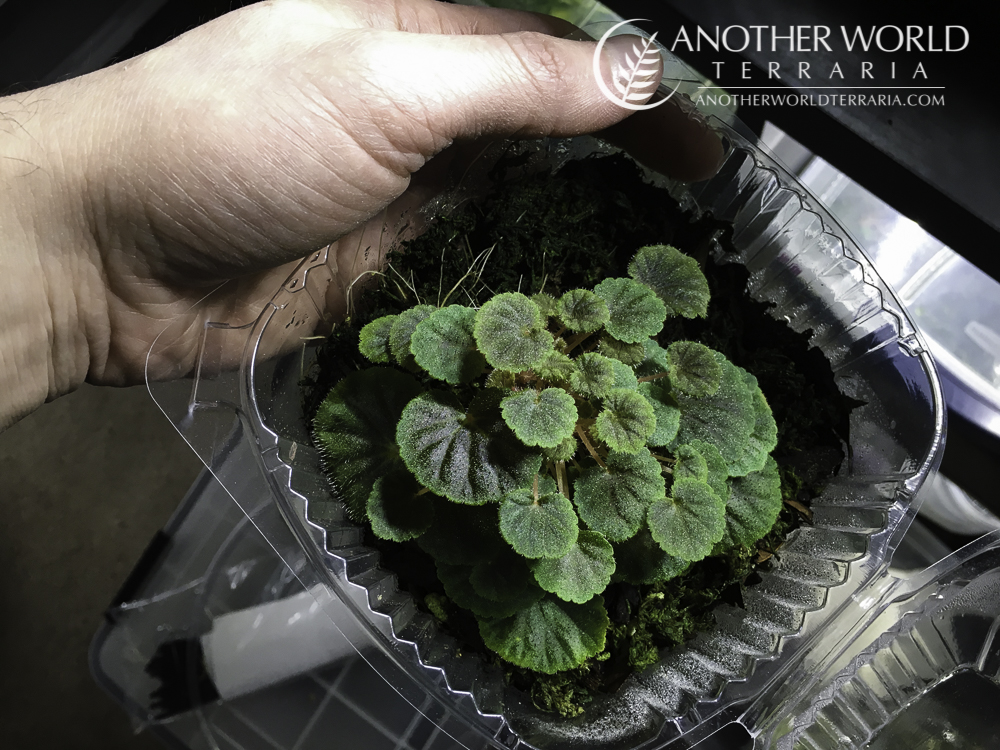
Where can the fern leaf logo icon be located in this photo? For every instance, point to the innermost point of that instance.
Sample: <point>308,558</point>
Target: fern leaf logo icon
<point>635,81</point>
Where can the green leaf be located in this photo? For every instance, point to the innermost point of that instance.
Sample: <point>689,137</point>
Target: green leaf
<point>402,329</point>
<point>668,416</point>
<point>555,368</point>
<point>624,375</point>
<point>594,376</point>
<point>583,571</point>
<point>693,368</point>
<point>501,380</point>
<point>614,501</point>
<point>468,458</point>
<point>373,343</point>
<point>726,418</point>
<point>547,304</point>
<point>764,436</point>
<point>562,452</point>
<point>690,464</point>
<point>629,354</point>
<point>510,332</point>
<point>688,524</point>
<point>443,345</point>
<point>675,277</point>
<point>543,418</point>
<point>718,472</point>
<point>636,313</point>
<point>396,508</point>
<point>582,310</point>
<point>503,577</point>
<point>753,506</point>
<point>640,560</point>
<point>457,582</point>
<point>355,430</point>
<point>549,636</point>
<point>462,534</point>
<point>625,422</point>
<point>546,527</point>
<point>654,361</point>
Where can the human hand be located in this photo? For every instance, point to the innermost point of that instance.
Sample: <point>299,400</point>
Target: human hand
<point>241,146</point>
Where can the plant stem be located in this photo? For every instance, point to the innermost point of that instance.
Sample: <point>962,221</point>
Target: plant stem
<point>647,378</point>
<point>574,342</point>
<point>561,479</point>
<point>589,447</point>
<point>534,489</point>
<point>422,491</point>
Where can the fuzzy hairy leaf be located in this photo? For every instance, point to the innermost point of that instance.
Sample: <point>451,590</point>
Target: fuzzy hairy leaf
<point>626,421</point>
<point>640,560</point>
<point>582,310</point>
<point>547,304</point>
<point>510,332</point>
<point>462,534</point>
<point>543,418</point>
<point>693,368</point>
<point>500,380</point>
<point>764,436</point>
<point>675,277</point>
<point>753,506</point>
<point>373,342</point>
<point>555,368</point>
<point>594,376</point>
<point>457,582</point>
<point>503,577</point>
<point>355,430</point>
<point>654,361</point>
<point>690,464</point>
<point>546,527</point>
<point>614,501</point>
<point>549,636</point>
<point>688,524</point>
<point>668,416</point>
<point>629,354</point>
<point>718,472</point>
<point>443,345</point>
<point>636,312</point>
<point>395,508</point>
<point>469,458</point>
<point>562,452</point>
<point>726,418</point>
<point>584,570</point>
<point>402,329</point>
<point>624,375</point>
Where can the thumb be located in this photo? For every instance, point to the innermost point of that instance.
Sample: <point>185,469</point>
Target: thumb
<point>525,84</point>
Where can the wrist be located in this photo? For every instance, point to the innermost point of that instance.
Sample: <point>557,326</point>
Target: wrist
<point>49,322</point>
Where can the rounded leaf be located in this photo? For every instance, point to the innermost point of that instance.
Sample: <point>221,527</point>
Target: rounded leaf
<point>675,277</point>
<point>640,560</point>
<point>547,304</point>
<point>355,430</point>
<point>764,436</point>
<point>402,329</point>
<point>555,368</point>
<point>688,524</point>
<point>510,332</point>
<point>613,501</point>
<point>461,534</point>
<point>624,375</point>
<point>503,577</point>
<point>636,313</point>
<point>396,508</point>
<point>753,505</point>
<point>543,418</point>
<point>726,418</point>
<point>626,421</point>
<point>373,342</point>
<point>546,527</point>
<point>690,464</point>
<point>564,451</point>
<point>654,361</point>
<point>584,570</point>
<point>457,582</point>
<point>582,310</point>
<point>594,376</point>
<point>443,345</point>
<point>718,472</point>
<point>668,416</point>
<point>694,369</point>
<point>549,636</point>
<point>467,457</point>
<point>629,354</point>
